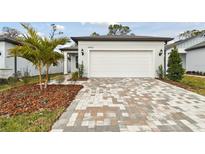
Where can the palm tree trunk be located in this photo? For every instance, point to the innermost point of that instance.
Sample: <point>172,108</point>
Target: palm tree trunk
<point>40,77</point>
<point>47,76</point>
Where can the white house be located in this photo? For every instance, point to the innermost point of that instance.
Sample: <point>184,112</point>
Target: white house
<point>8,64</point>
<point>190,59</point>
<point>196,57</point>
<point>117,56</point>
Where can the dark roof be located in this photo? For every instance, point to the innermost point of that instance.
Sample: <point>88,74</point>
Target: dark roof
<point>120,38</point>
<point>9,40</point>
<point>180,42</point>
<point>75,48</point>
<point>197,46</point>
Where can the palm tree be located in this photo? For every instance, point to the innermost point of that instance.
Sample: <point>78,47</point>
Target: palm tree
<point>50,56</point>
<point>30,49</point>
<point>39,50</point>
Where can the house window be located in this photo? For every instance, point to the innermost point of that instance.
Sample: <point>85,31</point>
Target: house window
<point>76,61</point>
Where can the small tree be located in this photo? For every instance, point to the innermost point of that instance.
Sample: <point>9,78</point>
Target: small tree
<point>11,32</point>
<point>55,31</point>
<point>50,56</point>
<point>95,34</point>
<point>175,69</point>
<point>118,29</point>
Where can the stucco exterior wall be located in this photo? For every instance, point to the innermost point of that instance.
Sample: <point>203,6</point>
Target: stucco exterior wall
<point>2,56</point>
<point>119,45</point>
<point>196,60</point>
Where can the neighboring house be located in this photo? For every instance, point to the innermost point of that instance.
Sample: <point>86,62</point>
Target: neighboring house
<point>117,56</point>
<point>189,59</point>
<point>8,64</point>
<point>196,57</point>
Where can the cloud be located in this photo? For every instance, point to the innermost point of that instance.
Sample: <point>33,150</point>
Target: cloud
<point>100,23</point>
<point>60,27</point>
<point>40,34</point>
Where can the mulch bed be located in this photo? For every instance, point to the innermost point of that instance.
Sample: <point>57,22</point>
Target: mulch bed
<point>30,98</point>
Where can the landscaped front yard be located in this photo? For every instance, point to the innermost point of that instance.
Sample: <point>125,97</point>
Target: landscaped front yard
<point>192,83</point>
<point>27,108</point>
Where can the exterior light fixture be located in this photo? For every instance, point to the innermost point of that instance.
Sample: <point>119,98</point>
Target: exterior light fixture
<point>0,53</point>
<point>82,52</point>
<point>161,52</point>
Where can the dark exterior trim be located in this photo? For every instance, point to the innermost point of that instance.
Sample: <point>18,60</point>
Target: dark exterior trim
<point>69,48</point>
<point>120,38</point>
<point>165,59</point>
<point>197,46</point>
<point>9,40</point>
<point>15,66</point>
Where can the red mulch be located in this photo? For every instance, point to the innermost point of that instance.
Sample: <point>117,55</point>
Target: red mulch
<point>30,98</point>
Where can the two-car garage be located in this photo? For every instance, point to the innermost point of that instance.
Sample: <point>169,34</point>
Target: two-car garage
<point>124,63</point>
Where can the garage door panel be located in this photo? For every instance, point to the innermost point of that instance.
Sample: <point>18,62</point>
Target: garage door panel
<point>121,63</point>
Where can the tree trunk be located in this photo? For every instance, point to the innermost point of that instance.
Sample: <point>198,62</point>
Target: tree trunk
<point>40,77</point>
<point>47,76</point>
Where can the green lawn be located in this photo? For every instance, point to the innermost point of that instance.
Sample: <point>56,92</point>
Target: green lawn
<point>33,79</point>
<point>40,121</point>
<point>197,84</point>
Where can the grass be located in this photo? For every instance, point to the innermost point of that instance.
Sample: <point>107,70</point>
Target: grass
<point>40,121</point>
<point>191,83</point>
<point>31,80</point>
<point>197,84</point>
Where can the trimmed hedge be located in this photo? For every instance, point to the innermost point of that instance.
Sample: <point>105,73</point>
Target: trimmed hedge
<point>196,73</point>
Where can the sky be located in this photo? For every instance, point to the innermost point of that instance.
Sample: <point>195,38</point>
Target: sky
<point>166,29</point>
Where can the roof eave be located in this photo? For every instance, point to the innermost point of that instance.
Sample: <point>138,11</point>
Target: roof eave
<point>10,41</point>
<point>195,48</point>
<point>77,39</point>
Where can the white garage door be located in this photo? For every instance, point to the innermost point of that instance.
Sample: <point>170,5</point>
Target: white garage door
<point>121,64</point>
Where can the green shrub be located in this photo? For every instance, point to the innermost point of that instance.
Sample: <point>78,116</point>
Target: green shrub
<point>175,70</point>
<point>25,80</point>
<point>81,70</point>
<point>3,81</point>
<point>160,72</point>
<point>26,77</point>
<point>12,80</point>
<point>75,76</point>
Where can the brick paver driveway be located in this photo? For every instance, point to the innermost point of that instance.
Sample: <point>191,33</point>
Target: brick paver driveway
<point>133,104</point>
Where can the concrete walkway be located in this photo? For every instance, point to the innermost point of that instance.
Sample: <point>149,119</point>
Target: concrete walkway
<point>133,104</point>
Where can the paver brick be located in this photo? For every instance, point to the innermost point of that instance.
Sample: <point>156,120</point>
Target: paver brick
<point>133,104</point>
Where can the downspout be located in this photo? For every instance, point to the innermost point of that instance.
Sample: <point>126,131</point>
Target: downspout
<point>165,58</point>
<point>15,66</point>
